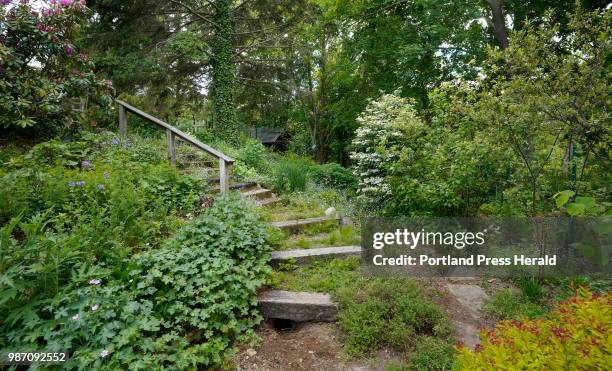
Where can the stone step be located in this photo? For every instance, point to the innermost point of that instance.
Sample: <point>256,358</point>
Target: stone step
<point>305,256</point>
<point>267,201</point>
<point>294,226</point>
<point>235,186</point>
<point>259,193</point>
<point>218,180</point>
<point>297,306</point>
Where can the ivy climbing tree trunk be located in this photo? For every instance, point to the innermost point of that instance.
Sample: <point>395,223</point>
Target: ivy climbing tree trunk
<point>499,23</point>
<point>223,73</point>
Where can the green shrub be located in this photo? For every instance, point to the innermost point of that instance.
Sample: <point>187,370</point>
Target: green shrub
<point>182,306</point>
<point>432,354</point>
<point>506,304</point>
<point>576,336</point>
<point>333,175</point>
<point>95,175</point>
<point>254,154</point>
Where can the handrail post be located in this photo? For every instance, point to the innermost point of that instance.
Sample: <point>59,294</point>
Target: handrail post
<point>223,176</point>
<point>171,147</point>
<point>122,121</point>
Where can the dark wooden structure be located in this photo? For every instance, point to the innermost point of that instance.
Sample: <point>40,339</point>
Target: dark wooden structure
<point>276,138</point>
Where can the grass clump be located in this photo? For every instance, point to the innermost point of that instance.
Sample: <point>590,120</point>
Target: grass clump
<point>290,176</point>
<point>508,304</point>
<point>375,312</point>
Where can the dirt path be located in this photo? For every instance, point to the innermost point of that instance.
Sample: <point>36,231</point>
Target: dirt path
<point>310,346</point>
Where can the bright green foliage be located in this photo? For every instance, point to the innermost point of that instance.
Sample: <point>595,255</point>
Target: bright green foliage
<point>506,304</point>
<point>579,205</point>
<point>120,180</point>
<point>178,307</point>
<point>253,154</point>
<point>333,175</point>
<point>430,353</point>
<point>75,211</point>
<point>42,95</point>
<point>547,98</point>
<point>575,336</point>
<point>506,144</point>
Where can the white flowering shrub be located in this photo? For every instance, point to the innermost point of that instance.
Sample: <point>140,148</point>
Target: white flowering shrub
<point>385,129</point>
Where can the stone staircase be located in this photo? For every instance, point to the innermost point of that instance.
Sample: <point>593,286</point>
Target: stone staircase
<point>303,306</point>
<point>249,189</point>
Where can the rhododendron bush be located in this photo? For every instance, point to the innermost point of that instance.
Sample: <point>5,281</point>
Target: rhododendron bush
<point>576,336</point>
<point>44,78</point>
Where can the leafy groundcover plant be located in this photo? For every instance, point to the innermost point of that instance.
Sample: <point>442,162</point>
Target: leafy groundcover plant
<point>576,336</point>
<point>180,306</point>
<point>84,235</point>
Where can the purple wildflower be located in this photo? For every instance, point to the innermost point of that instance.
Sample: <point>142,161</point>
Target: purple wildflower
<point>115,141</point>
<point>100,186</point>
<point>65,2</point>
<point>80,183</point>
<point>104,353</point>
<point>68,49</point>
<point>5,2</point>
<point>85,163</point>
<point>94,281</point>
<point>106,175</point>
<point>71,184</point>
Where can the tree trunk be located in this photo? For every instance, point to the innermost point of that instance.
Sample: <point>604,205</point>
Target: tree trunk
<point>499,23</point>
<point>223,77</point>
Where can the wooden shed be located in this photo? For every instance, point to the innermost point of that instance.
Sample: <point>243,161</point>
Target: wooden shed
<point>276,138</point>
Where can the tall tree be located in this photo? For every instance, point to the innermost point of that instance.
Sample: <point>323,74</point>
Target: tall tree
<point>193,46</point>
<point>511,15</point>
<point>223,71</point>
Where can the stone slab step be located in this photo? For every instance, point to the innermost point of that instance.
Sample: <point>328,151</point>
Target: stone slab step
<point>305,256</point>
<point>259,193</point>
<point>267,201</point>
<point>297,306</point>
<point>235,186</point>
<point>218,180</point>
<point>294,226</point>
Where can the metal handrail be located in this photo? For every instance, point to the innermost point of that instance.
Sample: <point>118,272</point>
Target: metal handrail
<point>225,161</point>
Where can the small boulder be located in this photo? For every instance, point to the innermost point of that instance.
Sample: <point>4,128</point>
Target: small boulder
<point>330,211</point>
<point>251,352</point>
